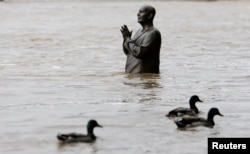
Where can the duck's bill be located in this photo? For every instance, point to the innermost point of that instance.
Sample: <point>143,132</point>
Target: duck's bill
<point>221,114</point>
<point>99,126</point>
<point>200,101</point>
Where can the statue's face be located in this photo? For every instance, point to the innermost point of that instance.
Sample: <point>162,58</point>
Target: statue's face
<point>143,15</point>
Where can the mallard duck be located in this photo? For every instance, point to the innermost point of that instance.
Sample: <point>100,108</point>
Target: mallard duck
<point>196,121</point>
<point>75,137</point>
<point>181,111</point>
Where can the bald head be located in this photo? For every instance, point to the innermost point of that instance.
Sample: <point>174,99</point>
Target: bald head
<point>146,14</point>
<point>149,10</point>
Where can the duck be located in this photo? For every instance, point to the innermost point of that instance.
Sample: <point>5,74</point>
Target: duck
<point>182,111</point>
<point>185,122</point>
<point>77,137</point>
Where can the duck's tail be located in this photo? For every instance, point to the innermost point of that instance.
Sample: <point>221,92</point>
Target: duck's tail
<point>179,124</point>
<point>62,137</point>
<point>171,114</point>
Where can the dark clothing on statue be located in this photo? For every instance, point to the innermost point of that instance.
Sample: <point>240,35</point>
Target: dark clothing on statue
<point>143,52</point>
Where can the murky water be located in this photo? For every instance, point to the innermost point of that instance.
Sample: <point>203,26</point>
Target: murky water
<point>62,64</point>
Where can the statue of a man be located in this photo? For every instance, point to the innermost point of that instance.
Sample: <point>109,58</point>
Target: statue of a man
<point>143,50</point>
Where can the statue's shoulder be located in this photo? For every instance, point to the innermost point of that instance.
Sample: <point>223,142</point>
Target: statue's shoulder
<point>156,30</point>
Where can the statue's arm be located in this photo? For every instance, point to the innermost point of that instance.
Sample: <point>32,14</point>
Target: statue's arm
<point>145,48</point>
<point>125,48</point>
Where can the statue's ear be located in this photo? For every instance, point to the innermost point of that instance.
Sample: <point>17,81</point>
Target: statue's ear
<point>150,16</point>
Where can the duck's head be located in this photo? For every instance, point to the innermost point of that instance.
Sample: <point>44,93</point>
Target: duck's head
<point>93,124</point>
<point>214,111</point>
<point>194,99</point>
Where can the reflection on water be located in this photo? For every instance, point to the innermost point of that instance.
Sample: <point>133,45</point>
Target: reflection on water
<point>144,81</point>
<point>143,87</point>
<point>67,146</point>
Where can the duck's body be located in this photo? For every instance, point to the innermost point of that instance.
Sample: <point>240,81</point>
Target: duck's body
<point>196,121</point>
<point>182,111</point>
<point>76,137</point>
